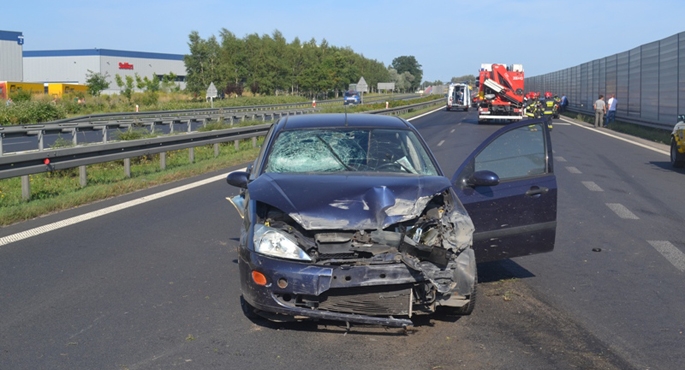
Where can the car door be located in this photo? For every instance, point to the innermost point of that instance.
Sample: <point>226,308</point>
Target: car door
<point>509,189</point>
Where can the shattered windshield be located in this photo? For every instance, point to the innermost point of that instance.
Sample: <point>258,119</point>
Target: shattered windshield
<point>344,150</point>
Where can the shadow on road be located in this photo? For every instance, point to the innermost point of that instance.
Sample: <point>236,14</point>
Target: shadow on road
<point>667,166</point>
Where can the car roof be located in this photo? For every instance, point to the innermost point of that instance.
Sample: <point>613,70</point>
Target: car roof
<point>329,120</point>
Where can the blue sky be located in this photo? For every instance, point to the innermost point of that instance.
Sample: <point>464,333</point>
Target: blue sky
<point>448,38</point>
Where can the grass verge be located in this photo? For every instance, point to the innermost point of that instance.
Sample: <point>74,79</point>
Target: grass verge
<point>648,133</point>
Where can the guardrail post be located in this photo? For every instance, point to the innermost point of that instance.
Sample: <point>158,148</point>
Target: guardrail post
<point>127,167</point>
<point>216,150</point>
<point>25,187</point>
<point>1,136</point>
<point>190,124</point>
<point>162,160</point>
<point>254,141</point>
<point>74,139</point>
<point>191,155</point>
<point>236,145</point>
<point>104,134</point>
<point>83,176</point>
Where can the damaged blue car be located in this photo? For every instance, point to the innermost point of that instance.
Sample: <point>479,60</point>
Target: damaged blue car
<point>350,218</point>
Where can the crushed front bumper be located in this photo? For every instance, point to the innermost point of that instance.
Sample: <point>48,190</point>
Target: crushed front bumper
<point>367,294</point>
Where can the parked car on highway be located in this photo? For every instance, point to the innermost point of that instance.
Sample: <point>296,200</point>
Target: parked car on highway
<point>351,97</point>
<point>678,143</point>
<point>350,218</point>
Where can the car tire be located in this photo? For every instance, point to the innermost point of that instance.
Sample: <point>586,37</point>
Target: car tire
<point>248,309</point>
<point>677,159</point>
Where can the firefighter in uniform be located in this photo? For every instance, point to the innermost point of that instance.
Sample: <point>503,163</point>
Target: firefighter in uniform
<point>548,104</point>
<point>530,104</point>
<point>557,106</point>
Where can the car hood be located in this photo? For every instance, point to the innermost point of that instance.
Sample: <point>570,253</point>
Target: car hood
<point>356,202</point>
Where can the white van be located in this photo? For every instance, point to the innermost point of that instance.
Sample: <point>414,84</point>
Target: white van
<point>459,97</point>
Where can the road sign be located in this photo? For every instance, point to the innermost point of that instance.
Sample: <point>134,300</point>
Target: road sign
<point>211,91</point>
<point>362,86</point>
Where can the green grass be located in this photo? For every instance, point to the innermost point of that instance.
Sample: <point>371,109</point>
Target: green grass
<point>648,133</point>
<point>60,190</point>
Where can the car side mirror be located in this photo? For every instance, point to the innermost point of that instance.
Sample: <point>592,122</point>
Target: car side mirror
<point>238,179</point>
<point>482,178</point>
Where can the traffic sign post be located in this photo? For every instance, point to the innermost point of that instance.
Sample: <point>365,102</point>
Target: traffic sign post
<point>211,93</point>
<point>362,87</point>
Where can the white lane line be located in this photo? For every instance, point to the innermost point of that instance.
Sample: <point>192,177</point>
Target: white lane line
<point>441,142</point>
<point>451,132</point>
<point>573,170</point>
<point>561,124</point>
<point>672,254</point>
<point>560,159</point>
<point>425,114</point>
<point>603,132</point>
<point>105,211</point>
<point>590,185</point>
<point>622,211</point>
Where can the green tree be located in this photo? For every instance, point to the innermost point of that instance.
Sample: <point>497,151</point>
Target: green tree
<point>96,82</point>
<point>202,64</point>
<point>469,79</point>
<point>125,85</point>
<point>409,64</point>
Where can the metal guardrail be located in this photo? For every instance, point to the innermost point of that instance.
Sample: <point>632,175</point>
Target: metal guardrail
<point>116,121</point>
<point>41,161</point>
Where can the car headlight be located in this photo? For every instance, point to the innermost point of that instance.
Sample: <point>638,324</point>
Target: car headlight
<point>273,242</point>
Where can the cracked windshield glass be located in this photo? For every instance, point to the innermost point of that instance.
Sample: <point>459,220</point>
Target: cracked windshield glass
<point>336,150</point>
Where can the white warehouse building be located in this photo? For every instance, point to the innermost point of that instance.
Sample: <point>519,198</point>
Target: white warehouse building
<point>72,66</point>
<point>10,56</point>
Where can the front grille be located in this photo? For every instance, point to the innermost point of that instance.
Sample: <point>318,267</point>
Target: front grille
<point>375,301</point>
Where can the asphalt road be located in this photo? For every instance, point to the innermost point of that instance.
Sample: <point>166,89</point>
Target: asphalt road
<point>154,285</point>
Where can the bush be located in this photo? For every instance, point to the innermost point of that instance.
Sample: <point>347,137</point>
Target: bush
<point>28,112</point>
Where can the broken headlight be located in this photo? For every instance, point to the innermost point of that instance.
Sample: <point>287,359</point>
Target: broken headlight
<point>275,243</point>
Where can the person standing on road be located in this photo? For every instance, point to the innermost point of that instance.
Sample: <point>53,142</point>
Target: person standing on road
<point>611,110</point>
<point>564,103</point>
<point>600,108</point>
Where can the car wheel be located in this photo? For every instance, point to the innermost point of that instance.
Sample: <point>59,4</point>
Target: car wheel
<point>248,309</point>
<point>677,159</point>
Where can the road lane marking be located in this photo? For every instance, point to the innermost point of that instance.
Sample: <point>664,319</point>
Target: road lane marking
<point>622,211</point>
<point>573,170</point>
<point>441,142</point>
<point>560,159</point>
<point>451,132</point>
<point>670,252</point>
<point>603,132</point>
<point>590,185</point>
<point>105,211</point>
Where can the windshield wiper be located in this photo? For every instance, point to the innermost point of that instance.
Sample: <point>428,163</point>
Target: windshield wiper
<point>335,155</point>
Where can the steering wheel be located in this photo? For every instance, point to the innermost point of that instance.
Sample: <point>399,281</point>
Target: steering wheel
<point>390,165</point>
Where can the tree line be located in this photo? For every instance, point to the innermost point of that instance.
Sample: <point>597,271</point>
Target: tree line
<point>269,65</point>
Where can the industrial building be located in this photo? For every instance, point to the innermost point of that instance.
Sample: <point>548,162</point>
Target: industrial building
<point>11,66</point>
<point>72,66</point>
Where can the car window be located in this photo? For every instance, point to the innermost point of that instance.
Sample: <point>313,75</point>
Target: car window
<point>338,150</point>
<point>517,153</point>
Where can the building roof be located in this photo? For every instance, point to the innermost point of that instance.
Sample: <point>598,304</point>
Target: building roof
<point>10,35</point>
<point>100,52</point>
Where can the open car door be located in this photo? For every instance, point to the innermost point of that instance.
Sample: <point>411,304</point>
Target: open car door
<point>508,187</point>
